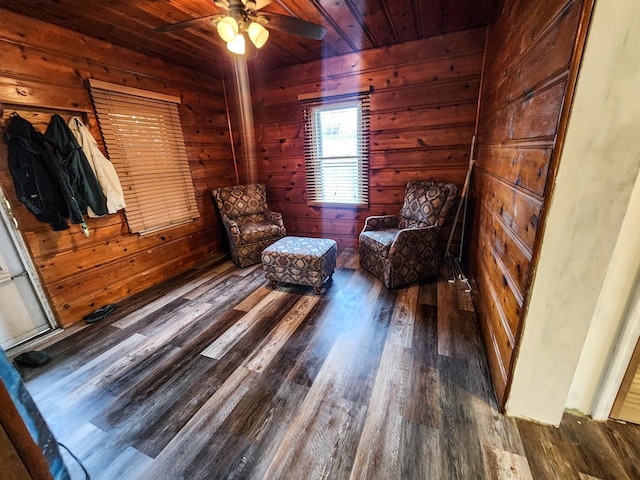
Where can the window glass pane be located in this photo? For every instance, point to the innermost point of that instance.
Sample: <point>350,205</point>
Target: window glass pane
<point>339,181</point>
<point>338,132</point>
<point>337,149</point>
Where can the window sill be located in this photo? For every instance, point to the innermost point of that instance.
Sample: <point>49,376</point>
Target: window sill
<point>354,206</point>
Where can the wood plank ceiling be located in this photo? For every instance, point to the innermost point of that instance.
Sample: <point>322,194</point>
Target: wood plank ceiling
<point>352,25</point>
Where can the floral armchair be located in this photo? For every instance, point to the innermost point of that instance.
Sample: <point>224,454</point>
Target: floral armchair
<point>403,248</point>
<point>250,225</point>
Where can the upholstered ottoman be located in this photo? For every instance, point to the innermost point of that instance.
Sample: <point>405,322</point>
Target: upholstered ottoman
<point>300,260</point>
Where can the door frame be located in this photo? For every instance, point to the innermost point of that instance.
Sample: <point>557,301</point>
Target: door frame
<point>620,358</point>
<point>19,244</point>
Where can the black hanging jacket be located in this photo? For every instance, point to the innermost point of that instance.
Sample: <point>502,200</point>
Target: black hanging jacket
<point>30,162</point>
<point>79,185</point>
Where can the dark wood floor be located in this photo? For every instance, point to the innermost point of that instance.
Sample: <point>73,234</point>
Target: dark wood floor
<point>214,376</point>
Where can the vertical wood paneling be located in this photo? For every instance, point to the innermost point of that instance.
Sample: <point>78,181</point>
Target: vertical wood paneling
<point>43,72</point>
<point>422,115</point>
<point>529,56</point>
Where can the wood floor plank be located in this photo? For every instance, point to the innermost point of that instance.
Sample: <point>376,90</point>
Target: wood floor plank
<point>359,384</point>
<point>91,374</point>
<point>212,414</point>
<point>302,345</point>
<point>223,299</point>
<point>379,444</point>
<point>160,395</point>
<point>447,317</point>
<point>329,421</point>
<point>324,417</point>
<point>149,424</point>
<point>165,327</point>
<point>90,443</point>
<point>457,329</point>
<point>429,292</point>
<point>549,457</point>
<point>253,432</point>
<point>256,269</point>
<point>208,285</point>
<point>191,440</point>
<point>377,454</point>
<point>225,342</point>
<point>460,443</point>
<point>152,412</point>
<point>419,452</point>
<point>277,337</point>
<point>252,300</point>
<point>465,301</point>
<point>129,464</point>
<point>165,299</point>
<point>510,466</point>
<point>422,400</point>
<point>403,319</point>
<point>361,381</point>
<point>598,456</point>
<point>499,433</point>
<point>68,356</point>
<point>346,308</point>
<point>347,259</point>
<point>625,442</point>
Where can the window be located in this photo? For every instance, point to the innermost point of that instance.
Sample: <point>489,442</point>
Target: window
<point>337,150</point>
<point>143,137</point>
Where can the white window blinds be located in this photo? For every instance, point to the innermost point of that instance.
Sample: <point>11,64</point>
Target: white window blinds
<point>337,150</point>
<point>143,137</point>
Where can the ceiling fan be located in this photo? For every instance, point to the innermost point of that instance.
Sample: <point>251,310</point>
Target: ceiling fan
<point>244,16</point>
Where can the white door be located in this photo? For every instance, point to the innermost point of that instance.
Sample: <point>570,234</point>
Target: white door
<point>23,314</point>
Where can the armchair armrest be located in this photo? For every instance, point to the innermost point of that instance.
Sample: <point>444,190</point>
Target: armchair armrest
<point>275,217</point>
<point>420,239</point>
<point>233,230</point>
<point>380,222</point>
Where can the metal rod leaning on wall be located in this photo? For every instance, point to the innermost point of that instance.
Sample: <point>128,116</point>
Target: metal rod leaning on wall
<point>233,147</point>
<point>467,181</point>
<point>463,200</point>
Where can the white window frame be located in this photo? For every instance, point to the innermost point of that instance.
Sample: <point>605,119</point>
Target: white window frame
<point>318,192</point>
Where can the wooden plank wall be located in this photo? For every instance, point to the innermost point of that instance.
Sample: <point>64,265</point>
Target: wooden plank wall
<point>422,118</point>
<point>42,72</point>
<point>529,54</point>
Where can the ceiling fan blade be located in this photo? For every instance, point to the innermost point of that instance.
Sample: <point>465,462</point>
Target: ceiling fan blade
<point>187,23</point>
<point>293,25</point>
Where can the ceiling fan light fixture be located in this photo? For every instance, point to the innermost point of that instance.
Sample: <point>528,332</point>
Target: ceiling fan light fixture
<point>258,34</point>
<point>228,29</point>
<point>237,45</point>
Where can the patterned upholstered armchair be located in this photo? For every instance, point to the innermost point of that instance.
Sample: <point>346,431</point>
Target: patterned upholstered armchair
<point>250,225</point>
<point>403,248</point>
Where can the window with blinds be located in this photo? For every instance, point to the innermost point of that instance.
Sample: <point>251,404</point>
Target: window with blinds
<point>143,137</point>
<point>337,150</point>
